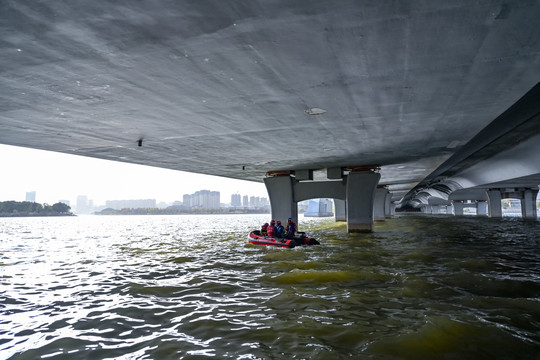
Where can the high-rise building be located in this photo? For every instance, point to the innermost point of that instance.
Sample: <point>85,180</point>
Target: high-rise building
<point>258,202</point>
<point>31,196</point>
<point>83,206</point>
<point>236,200</point>
<point>245,201</point>
<point>186,200</point>
<point>203,199</point>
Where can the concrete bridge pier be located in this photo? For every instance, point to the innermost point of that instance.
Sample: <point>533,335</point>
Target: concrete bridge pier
<point>494,203</point>
<point>379,204</point>
<point>458,207</point>
<point>360,196</point>
<point>528,204</point>
<point>354,193</point>
<point>340,210</point>
<point>388,205</point>
<point>449,209</point>
<point>281,194</point>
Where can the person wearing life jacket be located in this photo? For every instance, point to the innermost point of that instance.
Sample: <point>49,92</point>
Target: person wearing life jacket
<point>264,229</point>
<point>272,229</point>
<point>280,230</point>
<point>291,229</point>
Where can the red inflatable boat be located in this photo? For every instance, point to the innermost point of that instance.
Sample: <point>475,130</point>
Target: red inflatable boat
<point>256,238</point>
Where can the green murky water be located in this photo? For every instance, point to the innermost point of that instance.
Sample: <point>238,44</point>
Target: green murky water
<point>171,287</point>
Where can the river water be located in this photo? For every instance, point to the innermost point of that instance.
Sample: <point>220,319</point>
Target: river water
<point>191,287</point>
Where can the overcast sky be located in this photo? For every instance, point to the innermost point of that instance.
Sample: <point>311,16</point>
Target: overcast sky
<point>56,176</point>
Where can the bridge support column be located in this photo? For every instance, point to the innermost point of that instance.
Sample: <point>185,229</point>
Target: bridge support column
<point>388,205</point>
<point>281,193</point>
<point>449,210</point>
<point>528,204</point>
<point>494,203</point>
<point>481,208</point>
<point>458,208</point>
<point>392,209</point>
<point>360,195</point>
<point>340,210</point>
<point>379,203</point>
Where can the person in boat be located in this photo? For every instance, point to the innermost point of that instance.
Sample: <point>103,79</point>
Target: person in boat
<point>272,229</point>
<point>291,229</point>
<point>264,229</point>
<point>280,230</point>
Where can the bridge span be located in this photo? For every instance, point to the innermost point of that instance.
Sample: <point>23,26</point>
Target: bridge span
<point>375,103</point>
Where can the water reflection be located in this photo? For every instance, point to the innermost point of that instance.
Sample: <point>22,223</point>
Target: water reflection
<point>174,287</point>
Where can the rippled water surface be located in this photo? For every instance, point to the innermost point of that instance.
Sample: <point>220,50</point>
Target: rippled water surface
<point>191,287</point>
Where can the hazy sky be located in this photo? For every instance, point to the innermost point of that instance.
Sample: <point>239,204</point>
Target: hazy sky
<point>56,176</point>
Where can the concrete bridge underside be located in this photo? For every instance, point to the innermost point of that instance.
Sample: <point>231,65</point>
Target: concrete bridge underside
<point>436,97</point>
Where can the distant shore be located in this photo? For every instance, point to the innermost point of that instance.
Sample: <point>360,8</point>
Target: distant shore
<point>5,215</point>
<point>167,211</point>
<point>33,209</point>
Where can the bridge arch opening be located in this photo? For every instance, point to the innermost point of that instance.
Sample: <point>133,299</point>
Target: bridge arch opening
<point>317,207</point>
<point>511,207</point>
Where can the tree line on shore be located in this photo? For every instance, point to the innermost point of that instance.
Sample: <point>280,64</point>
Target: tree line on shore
<point>27,208</point>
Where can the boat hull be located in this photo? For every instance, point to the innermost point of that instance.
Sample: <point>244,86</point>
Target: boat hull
<point>256,238</point>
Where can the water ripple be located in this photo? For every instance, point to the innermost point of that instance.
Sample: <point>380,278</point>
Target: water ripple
<point>161,287</point>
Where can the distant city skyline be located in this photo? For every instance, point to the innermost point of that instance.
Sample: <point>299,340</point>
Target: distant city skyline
<point>202,199</point>
<point>55,176</point>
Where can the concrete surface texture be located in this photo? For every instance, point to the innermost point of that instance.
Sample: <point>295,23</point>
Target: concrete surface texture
<point>240,88</point>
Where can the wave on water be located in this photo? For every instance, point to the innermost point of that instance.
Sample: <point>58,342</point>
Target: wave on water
<point>176,287</point>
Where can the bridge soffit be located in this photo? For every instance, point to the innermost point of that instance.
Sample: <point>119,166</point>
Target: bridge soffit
<point>480,194</point>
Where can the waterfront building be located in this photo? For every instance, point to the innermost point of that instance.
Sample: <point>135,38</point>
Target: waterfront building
<point>203,199</point>
<point>320,208</point>
<point>31,196</point>
<point>236,200</point>
<point>83,205</point>
<point>131,204</point>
